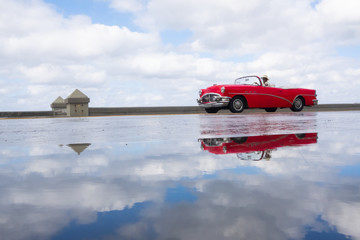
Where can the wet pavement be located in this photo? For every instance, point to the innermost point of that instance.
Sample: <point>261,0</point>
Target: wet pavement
<point>251,176</point>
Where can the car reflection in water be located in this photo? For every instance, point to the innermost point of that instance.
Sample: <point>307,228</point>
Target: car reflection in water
<point>255,148</point>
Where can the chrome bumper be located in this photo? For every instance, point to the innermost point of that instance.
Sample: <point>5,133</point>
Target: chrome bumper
<point>315,102</point>
<point>221,102</point>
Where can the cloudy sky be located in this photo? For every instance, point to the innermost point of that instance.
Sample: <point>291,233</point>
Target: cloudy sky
<point>159,53</point>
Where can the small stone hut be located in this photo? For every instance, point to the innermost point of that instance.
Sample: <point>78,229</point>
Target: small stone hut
<point>59,106</point>
<point>77,104</point>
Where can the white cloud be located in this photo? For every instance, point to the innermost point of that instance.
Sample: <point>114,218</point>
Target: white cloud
<point>77,41</point>
<point>126,5</point>
<point>346,217</point>
<point>255,26</point>
<point>243,27</point>
<point>339,11</point>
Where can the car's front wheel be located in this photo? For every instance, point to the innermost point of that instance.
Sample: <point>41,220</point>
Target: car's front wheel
<point>298,105</point>
<point>211,110</point>
<point>237,105</point>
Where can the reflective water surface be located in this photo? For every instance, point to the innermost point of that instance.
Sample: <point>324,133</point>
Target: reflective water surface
<point>247,176</point>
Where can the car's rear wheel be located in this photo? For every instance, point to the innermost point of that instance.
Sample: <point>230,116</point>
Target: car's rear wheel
<point>270,109</point>
<point>211,110</point>
<point>237,104</point>
<point>298,104</point>
<point>300,135</point>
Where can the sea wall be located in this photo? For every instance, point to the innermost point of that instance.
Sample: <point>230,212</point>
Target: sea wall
<point>144,110</point>
<point>21,114</point>
<point>118,111</point>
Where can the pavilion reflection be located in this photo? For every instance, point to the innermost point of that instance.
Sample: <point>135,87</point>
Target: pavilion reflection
<point>78,147</point>
<point>256,148</point>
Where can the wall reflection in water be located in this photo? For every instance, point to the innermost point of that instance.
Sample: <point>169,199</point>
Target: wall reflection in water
<point>161,185</point>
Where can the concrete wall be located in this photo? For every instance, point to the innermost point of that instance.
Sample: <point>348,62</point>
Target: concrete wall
<point>196,109</point>
<point>334,107</point>
<point>26,114</point>
<point>174,110</point>
<point>59,111</point>
<point>143,111</point>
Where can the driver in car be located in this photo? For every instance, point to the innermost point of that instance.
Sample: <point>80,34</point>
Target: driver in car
<point>265,79</point>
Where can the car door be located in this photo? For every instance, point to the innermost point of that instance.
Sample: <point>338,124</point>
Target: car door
<point>270,97</point>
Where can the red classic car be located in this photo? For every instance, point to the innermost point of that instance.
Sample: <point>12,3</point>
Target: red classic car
<point>251,92</point>
<point>256,147</point>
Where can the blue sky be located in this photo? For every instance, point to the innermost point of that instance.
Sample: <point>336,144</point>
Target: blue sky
<point>160,52</point>
<point>99,12</point>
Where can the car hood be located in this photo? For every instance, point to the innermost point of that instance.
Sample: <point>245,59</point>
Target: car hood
<point>217,88</point>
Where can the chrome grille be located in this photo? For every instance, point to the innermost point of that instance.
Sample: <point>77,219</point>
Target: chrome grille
<point>210,97</point>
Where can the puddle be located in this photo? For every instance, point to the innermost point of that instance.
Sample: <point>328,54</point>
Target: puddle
<point>254,176</point>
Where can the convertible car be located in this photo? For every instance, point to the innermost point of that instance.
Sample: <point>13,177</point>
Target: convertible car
<point>251,92</point>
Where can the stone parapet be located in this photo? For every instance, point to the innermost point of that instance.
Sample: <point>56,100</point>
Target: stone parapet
<point>26,114</point>
<point>144,110</point>
<point>100,111</point>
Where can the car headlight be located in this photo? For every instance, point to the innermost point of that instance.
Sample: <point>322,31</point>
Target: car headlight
<point>222,89</point>
<point>200,92</point>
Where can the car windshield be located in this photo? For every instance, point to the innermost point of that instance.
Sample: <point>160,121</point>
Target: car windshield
<point>251,80</point>
<point>254,156</point>
<point>211,142</point>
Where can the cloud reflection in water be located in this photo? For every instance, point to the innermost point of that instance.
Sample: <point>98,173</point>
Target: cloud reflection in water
<point>165,187</point>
